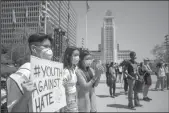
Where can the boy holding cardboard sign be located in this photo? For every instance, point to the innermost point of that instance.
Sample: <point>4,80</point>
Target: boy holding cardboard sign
<point>19,86</point>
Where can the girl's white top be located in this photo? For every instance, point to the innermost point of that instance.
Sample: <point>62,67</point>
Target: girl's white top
<point>161,72</point>
<point>166,69</point>
<point>70,80</point>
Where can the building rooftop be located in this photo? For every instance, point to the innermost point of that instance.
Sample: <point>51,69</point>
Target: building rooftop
<point>124,51</point>
<point>95,51</point>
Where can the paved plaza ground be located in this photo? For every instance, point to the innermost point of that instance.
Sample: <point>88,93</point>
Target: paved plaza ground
<point>119,104</point>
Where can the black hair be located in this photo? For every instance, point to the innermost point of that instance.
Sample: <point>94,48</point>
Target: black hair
<point>111,64</point>
<point>132,53</point>
<point>141,64</point>
<point>159,65</point>
<point>67,56</point>
<point>83,53</point>
<point>39,37</point>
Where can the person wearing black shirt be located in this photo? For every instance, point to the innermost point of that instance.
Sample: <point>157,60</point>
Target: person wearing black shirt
<point>112,80</point>
<point>132,75</point>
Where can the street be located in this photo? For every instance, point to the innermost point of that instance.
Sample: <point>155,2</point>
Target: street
<point>119,104</point>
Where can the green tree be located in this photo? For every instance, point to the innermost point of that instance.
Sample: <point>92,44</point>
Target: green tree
<point>159,51</point>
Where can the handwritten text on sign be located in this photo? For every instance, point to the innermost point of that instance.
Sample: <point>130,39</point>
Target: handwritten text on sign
<point>49,95</point>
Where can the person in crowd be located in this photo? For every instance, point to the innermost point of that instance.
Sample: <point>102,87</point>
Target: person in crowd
<point>87,80</point>
<point>157,75</point>
<point>140,70</point>
<point>125,82</point>
<point>19,86</point>
<point>160,76</point>
<point>70,61</point>
<point>155,72</point>
<point>112,79</point>
<point>147,79</point>
<point>107,73</point>
<point>124,77</point>
<point>116,70</point>
<point>140,80</point>
<point>166,67</point>
<point>120,74</point>
<point>132,74</point>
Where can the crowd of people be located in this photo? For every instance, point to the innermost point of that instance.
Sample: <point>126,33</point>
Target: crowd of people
<point>80,79</point>
<point>136,78</point>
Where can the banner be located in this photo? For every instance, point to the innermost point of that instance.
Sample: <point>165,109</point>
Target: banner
<point>49,95</point>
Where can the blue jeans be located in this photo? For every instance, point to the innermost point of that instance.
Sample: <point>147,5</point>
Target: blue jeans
<point>130,93</point>
<point>160,80</point>
<point>71,100</point>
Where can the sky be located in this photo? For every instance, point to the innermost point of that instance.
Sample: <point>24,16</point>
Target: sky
<point>140,25</point>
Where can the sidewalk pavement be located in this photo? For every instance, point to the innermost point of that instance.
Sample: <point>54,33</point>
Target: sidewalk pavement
<point>119,104</point>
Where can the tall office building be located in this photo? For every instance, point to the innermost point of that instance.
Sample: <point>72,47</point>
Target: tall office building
<point>108,41</point>
<point>21,17</point>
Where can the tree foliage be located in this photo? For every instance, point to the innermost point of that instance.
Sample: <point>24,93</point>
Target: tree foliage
<point>159,51</point>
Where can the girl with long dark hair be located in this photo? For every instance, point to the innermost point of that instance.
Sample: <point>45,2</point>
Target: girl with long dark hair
<point>71,59</point>
<point>87,80</point>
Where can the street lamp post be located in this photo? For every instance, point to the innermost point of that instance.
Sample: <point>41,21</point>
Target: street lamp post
<point>55,44</point>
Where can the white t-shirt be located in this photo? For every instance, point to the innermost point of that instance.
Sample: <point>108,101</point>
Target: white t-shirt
<point>71,80</point>
<point>14,88</point>
<point>120,69</point>
<point>161,72</point>
<point>166,69</point>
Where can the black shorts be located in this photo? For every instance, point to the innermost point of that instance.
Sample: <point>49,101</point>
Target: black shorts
<point>147,79</point>
<point>120,72</point>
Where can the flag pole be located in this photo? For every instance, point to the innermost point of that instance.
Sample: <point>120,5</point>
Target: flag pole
<point>87,8</point>
<point>86,30</point>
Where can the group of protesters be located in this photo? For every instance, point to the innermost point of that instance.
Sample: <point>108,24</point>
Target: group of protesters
<point>79,79</point>
<point>136,78</point>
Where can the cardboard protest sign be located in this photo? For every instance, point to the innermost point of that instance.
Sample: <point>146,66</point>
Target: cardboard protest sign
<point>49,95</point>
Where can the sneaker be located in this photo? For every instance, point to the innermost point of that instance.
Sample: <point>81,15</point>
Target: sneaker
<point>138,105</point>
<point>146,99</point>
<point>115,95</point>
<point>149,98</point>
<point>112,96</point>
<point>155,89</point>
<point>131,107</point>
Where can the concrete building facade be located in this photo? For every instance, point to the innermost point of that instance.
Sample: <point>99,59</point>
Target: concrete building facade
<point>122,54</point>
<point>96,55</point>
<point>26,17</point>
<point>108,39</point>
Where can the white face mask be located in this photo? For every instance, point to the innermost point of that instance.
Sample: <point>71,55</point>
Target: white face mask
<point>88,63</point>
<point>45,53</point>
<point>75,60</point>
